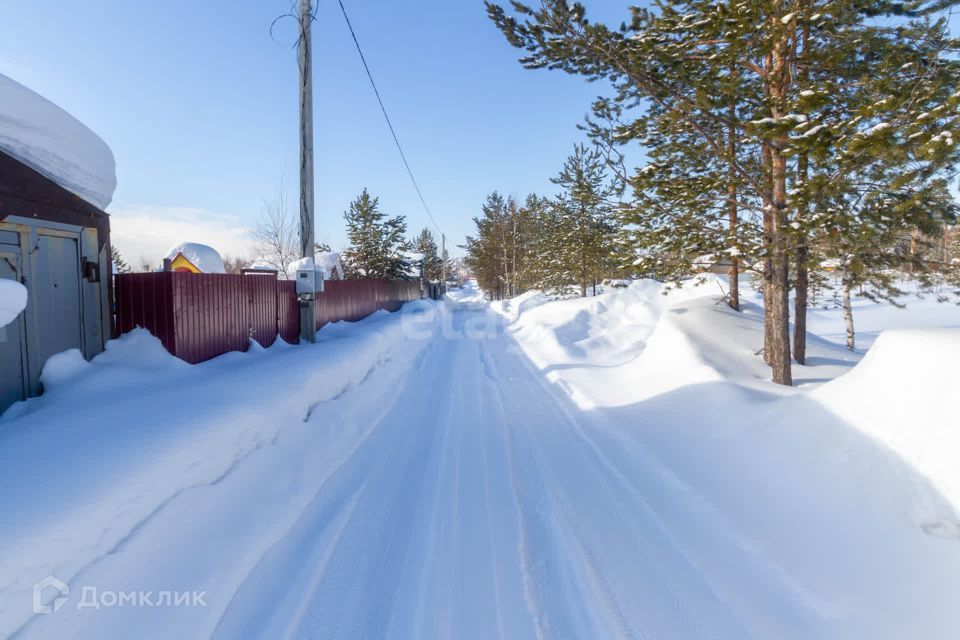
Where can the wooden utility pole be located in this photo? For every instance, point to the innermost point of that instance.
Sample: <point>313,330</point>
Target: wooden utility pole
<point>308,303</point>
<point>443,263</point>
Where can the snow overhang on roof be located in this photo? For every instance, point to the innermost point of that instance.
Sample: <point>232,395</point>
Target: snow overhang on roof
<point>201,256</point>
<point>46,138</point>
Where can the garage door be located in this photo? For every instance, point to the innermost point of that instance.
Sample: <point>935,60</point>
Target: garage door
<point>55,305</point>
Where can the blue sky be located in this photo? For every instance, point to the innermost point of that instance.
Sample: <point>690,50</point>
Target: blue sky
<point>199,106</point>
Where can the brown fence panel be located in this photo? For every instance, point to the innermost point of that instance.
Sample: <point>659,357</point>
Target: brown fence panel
<point>201,316</point>
<point>262,309</point>
<point>354,300</point>
<point>210,315</point>
<point>289,311</point>
<point>146,300</point>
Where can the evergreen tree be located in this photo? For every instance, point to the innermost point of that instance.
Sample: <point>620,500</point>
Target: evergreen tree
<point>394,247</point>
<point>498,254</point>
<point>765,98</point>
<point>119,264</point>
<point>376,242</point>
<point>449,264</point>
<point>582,226</point>
<point>425,245</point>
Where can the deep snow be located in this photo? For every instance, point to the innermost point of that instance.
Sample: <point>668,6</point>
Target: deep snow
<point>45,137</point>
<point>614,467</point>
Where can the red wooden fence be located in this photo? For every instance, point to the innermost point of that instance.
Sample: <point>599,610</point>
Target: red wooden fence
<point>201,316</point>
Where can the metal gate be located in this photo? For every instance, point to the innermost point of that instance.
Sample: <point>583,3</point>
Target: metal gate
<point>13,374</point>
<point>55,306</point>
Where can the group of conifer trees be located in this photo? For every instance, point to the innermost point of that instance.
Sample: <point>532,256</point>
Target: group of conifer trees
<point>378,247</point>
<point>782,137</point>
<point>565,244</point>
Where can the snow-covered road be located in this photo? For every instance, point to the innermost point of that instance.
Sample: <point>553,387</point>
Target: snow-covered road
<point>462,486</point>
<point>479,507</point>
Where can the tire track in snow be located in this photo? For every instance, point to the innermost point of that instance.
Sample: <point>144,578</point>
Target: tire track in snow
<point>621,628</point>
<point>571,617</point>
<point>765,574</point>
<point>430,518</point>
<point>497,595</point>
<point>531,597</point>
<point>383,558</point>
<point>626,512</point>
<point>318,513</point>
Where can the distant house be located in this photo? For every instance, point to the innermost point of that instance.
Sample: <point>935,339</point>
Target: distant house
<point>193,257</point>
<point>56,177</point>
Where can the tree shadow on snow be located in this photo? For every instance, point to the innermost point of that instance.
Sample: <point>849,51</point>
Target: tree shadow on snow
<point>856,537</point>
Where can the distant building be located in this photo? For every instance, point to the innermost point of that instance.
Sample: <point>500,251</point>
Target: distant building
<point>56,176</point>
<point>193,257</point>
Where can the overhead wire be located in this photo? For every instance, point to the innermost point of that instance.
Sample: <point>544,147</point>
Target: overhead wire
<point>386,116</point>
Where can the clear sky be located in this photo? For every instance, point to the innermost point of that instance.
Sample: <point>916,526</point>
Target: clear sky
<point>199,105</point>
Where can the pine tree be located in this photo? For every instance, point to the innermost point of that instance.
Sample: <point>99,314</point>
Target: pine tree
<point>500,252</point>
<point>583,225</point>
<point>425,245</point>
<point>811,80</point>
<point>376,241</point>
<point>119,264</point>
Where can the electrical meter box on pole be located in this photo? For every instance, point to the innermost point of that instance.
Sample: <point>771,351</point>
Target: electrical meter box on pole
<point>309,283</point>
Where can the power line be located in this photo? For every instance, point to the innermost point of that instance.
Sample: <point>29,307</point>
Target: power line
<point>383,108</point>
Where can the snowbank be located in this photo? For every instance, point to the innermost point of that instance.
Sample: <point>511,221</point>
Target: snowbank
<point>86,484</point>
<point>42,135</point>
<point>13,300</point>
<point>903,393</point>
<point>658,338</point>
<point>833,500</point>
<point>203,257</point>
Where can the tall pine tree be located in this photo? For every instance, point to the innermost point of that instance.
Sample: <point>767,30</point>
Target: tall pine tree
<point>583,228</point>
<point>425,245</point>
<point>764,97</point>
<point>377,242</point>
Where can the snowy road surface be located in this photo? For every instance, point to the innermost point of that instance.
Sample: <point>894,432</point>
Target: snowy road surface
<point>458,488</point>
<point>477,507</point>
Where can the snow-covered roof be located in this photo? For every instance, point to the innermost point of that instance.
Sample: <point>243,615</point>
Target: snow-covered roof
<point>203,257</point>
<point>46,138</point>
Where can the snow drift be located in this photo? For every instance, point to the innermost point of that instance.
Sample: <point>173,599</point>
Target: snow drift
<point>45,137</point>
<point>172,427</point>
<point>836,501</point>
<point>903,393</point>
